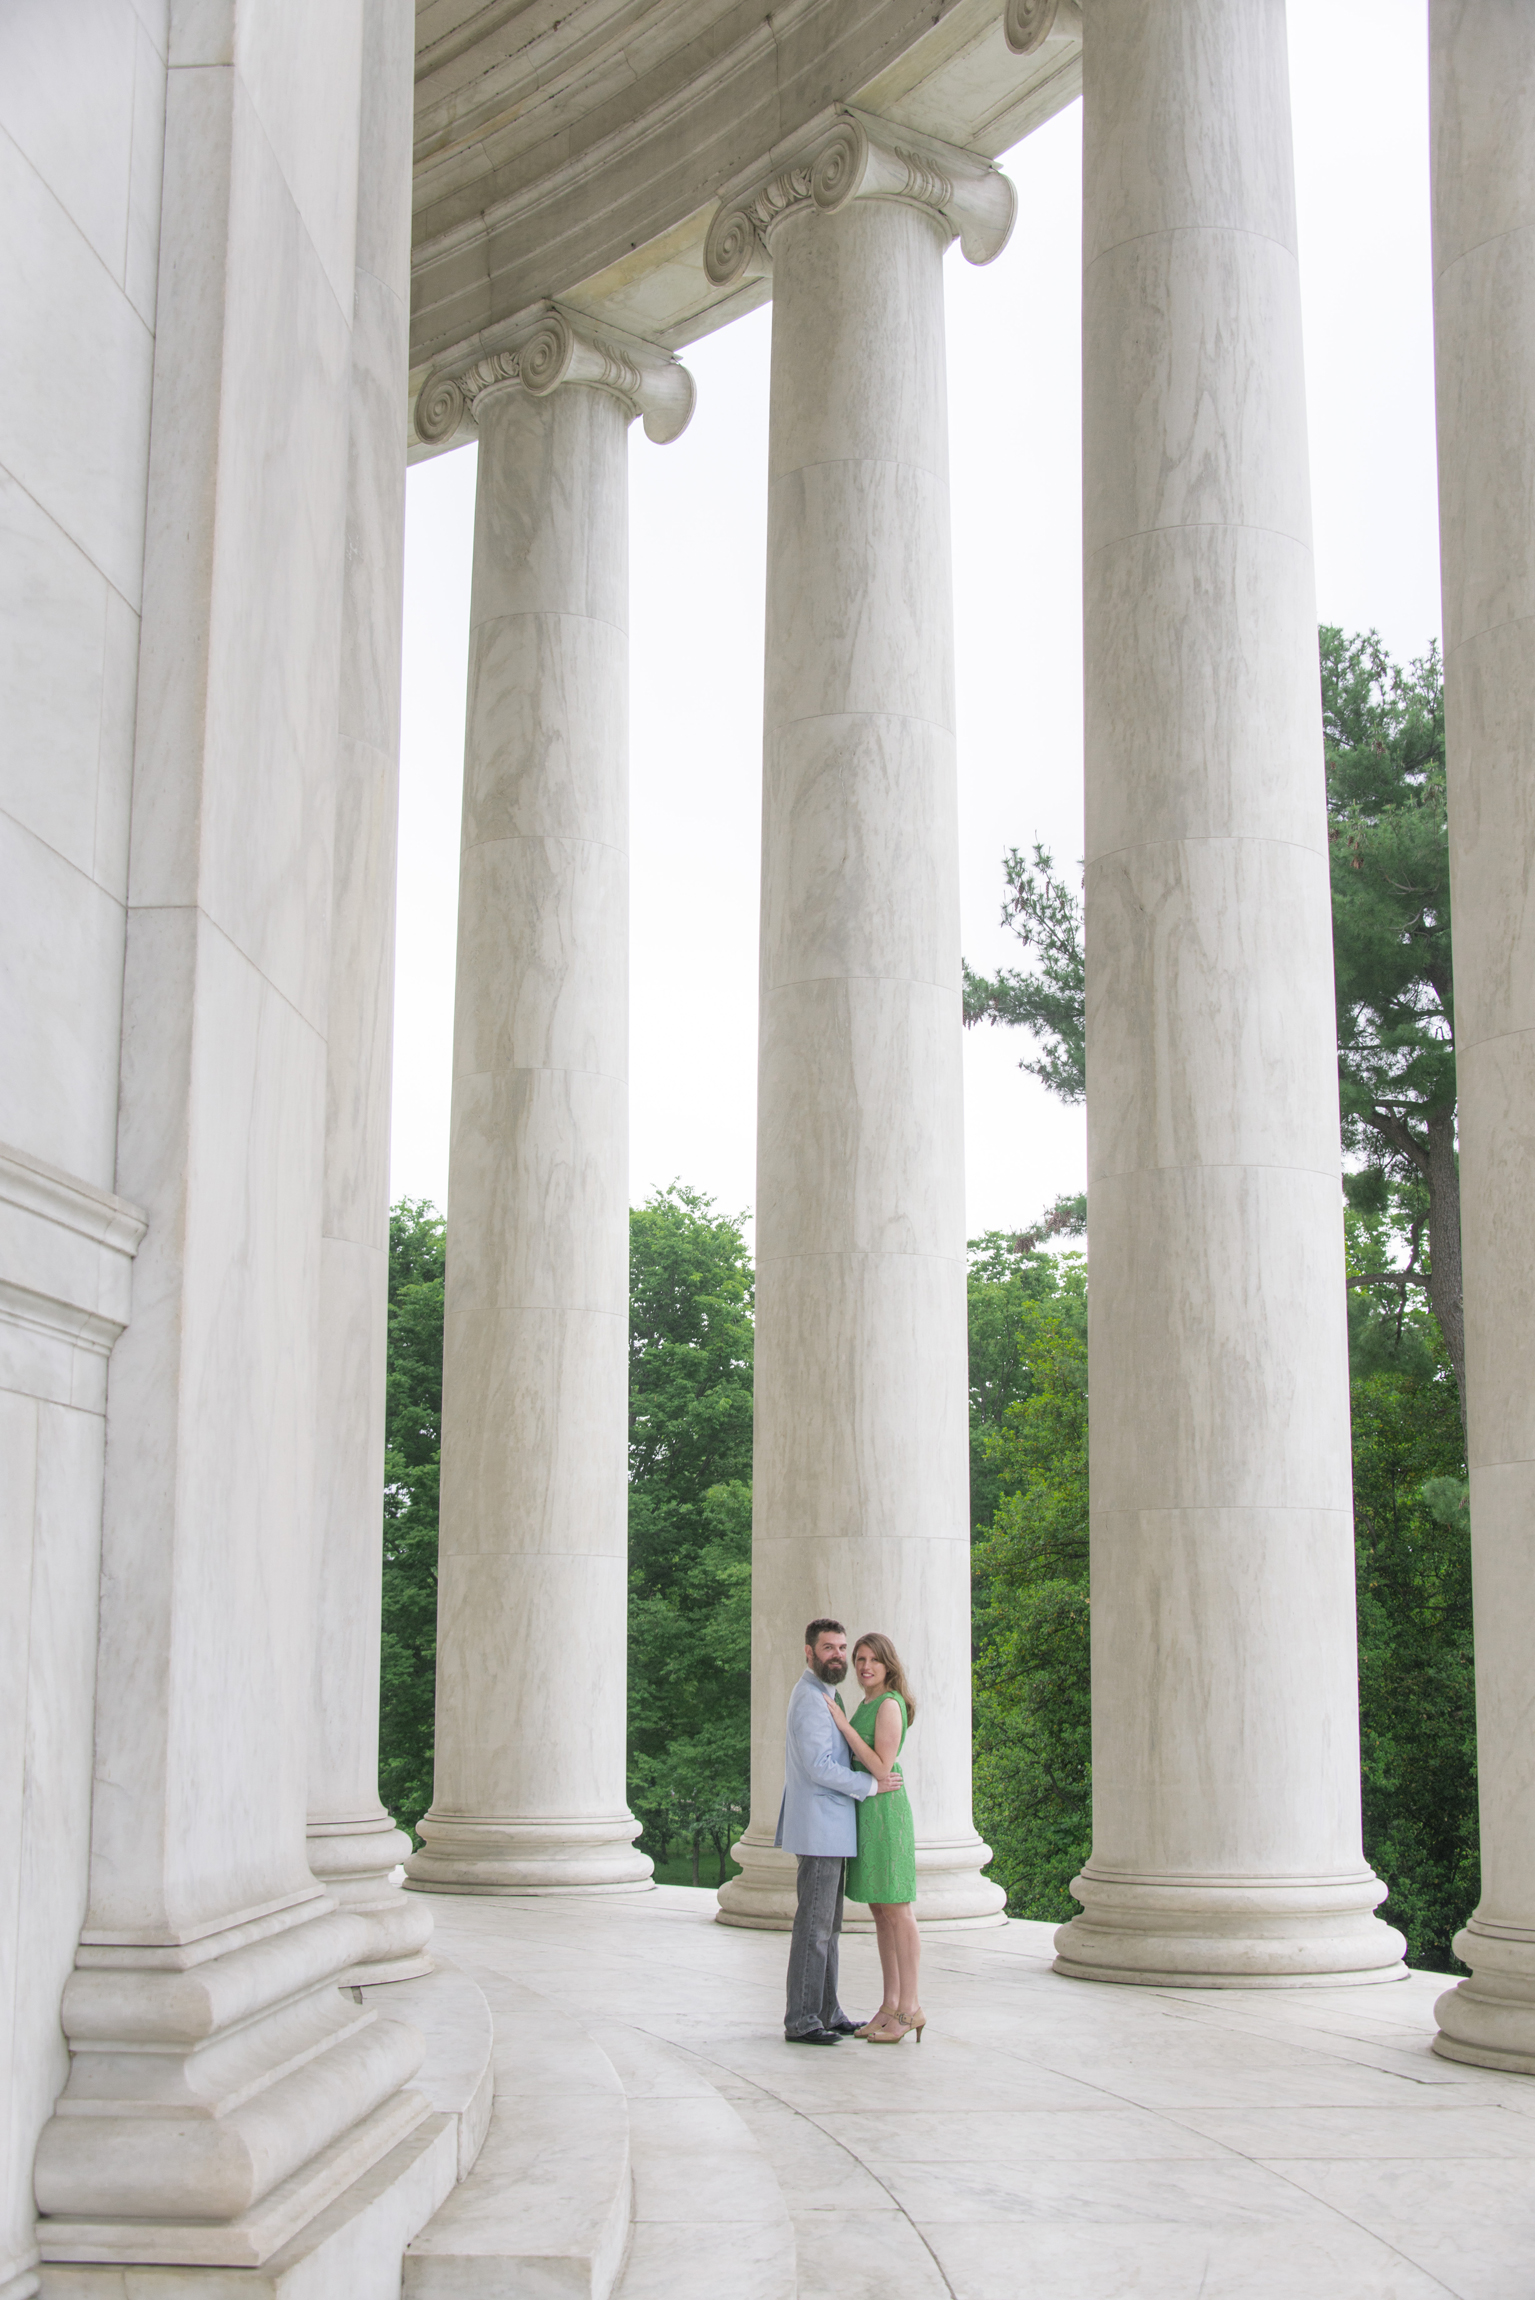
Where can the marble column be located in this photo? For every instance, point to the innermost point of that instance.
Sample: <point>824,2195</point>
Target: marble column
<point>1483,130</point>
<point>529,1790</point>
<point>1226,1831</point>
<point>861,1474</point>
<point>223,2089</point>
<point>354,1847</point>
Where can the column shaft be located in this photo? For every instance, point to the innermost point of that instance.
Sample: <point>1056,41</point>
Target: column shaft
<point>222,2087</point>
<point>353,1845</point>
<point>1226,1832</point>
<point>529,1792</point>
<point>861,1462</point>
<point>1482,94</point>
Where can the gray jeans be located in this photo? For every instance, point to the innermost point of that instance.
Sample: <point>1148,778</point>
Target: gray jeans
<point>813,1946</point>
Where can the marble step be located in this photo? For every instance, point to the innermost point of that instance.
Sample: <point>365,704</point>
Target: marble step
<point>709,2216</point>
<point>458,2075</point>
<point>544,2213</point>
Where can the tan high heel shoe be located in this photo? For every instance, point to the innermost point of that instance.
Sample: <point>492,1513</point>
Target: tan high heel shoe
<point>896,2034</point>
<point>916,2024</point>
<point>886,2012</point>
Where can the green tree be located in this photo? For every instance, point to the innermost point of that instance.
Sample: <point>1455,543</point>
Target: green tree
<point>690,1433</point>
<point>1383,726</point>
<point>1050,1000</point>
<point>1384,738</point>
<point>1006,1270</point>
<point>1412,1538</point>
<point>413,1442</point>
<point>1417,1692</point>
<point>690,1438</point>
<point>1033,1724</point>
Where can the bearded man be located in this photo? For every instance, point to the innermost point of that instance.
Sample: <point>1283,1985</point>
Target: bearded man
<point>818,1823</point>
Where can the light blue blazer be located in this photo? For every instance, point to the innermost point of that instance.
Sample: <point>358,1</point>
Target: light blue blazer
<point>821,1786</point>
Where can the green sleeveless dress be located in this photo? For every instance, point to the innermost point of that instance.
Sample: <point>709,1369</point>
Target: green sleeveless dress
<point>884,1868</point>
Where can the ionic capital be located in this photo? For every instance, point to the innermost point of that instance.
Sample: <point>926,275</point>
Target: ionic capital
<point>856,157</point>
<point>553,348</point>
<point>1028,24</point>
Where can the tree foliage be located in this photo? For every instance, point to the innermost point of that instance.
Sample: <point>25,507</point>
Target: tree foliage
<point>1049,1001</point>
<point>1033,1723</point>
<point>1383,748</point>
<point>690,1439</point>
<point>1385,781</point>
<point>1032,1672</point>
<point>413,1441</point>
<point>1412,1539</point>
<point>1006,1270</point>
<point>690,1372</point>
<point>1383,726</point>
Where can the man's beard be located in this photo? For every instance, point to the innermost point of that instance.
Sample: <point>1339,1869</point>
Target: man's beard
<point>830,1672</point>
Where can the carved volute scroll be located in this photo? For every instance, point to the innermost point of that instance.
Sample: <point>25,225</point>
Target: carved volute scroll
<point>737,245</point>
<point>857,157</point>
<point>1028,24</point>
<point>556,350</point>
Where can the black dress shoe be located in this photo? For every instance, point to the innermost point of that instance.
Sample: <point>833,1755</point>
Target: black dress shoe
<point>844,2027</point>
<point>815,2036</point>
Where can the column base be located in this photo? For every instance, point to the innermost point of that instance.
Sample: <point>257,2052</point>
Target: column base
<point>251,2238</point>
<point>352,2249</point>
<point>221,2092</point>
<point>355,1862</point>
<point>576,1856</point>
<point>1489,2020</point>
<point>951,1892</point>
<point>1207,1933</point>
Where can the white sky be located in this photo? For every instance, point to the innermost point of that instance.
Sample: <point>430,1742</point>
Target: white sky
<point>697,544</point>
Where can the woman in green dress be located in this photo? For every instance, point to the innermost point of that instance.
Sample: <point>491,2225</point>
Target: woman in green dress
<point>883,1872</point>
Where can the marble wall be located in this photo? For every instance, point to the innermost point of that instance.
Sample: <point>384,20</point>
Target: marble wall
<point>82,97</point>
<point>204,1922</point>
<point>1482,82</point>
<point>81,118</point>
<point>353,1846</point>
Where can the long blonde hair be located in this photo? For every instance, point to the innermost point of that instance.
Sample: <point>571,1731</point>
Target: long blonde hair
<point>895,1676</point>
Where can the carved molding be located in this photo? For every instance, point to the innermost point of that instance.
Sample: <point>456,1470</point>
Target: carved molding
<point>1028,24</point>
<point>561,348</point>
<point>856,157</point>
<point>66,1254</point>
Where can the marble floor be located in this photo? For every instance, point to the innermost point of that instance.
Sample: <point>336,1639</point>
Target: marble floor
<point>1047,2137</point>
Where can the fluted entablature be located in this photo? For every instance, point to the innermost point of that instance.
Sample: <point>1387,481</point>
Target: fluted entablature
<point>852,156</point>
<point>555,347</point>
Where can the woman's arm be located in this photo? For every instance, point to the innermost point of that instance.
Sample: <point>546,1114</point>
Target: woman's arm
<point>856,1741</point>
<point>887,1737</point>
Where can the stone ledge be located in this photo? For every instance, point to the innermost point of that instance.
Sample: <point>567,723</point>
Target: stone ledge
<point>457,2076</point>
<point>709,2213</point>
<point>545,2212</point>
<point>66,1264</point>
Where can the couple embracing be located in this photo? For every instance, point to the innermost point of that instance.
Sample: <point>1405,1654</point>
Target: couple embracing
<point>846,1815</point>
